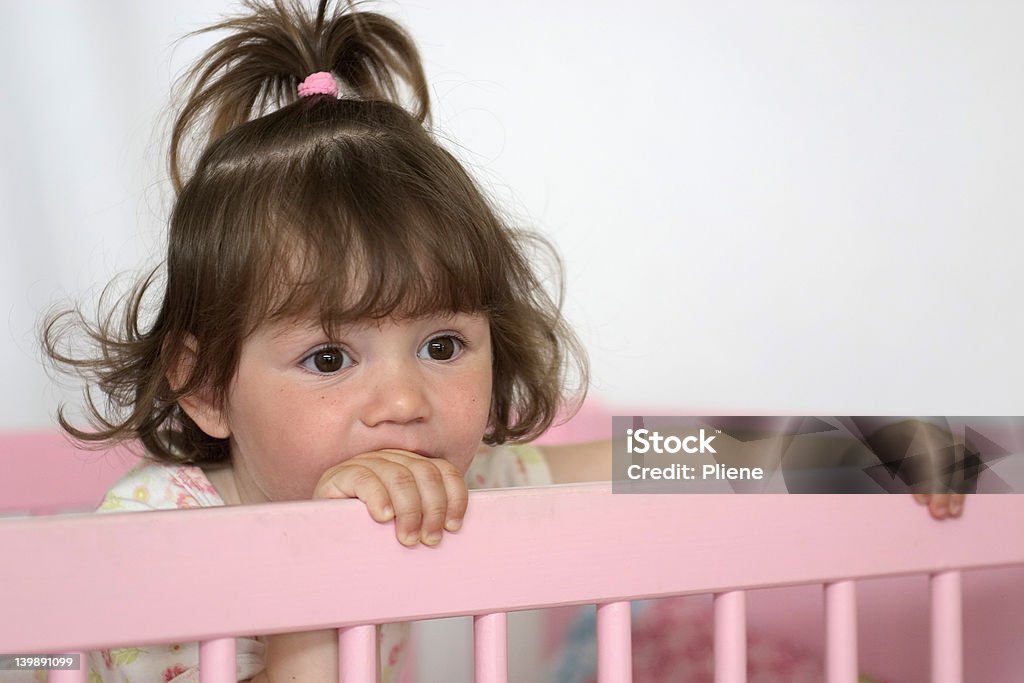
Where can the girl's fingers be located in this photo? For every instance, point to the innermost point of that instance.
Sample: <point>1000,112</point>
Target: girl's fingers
<point>388,490</point>
<point>956,504</point>
<point>406,500</point>
<point>942,505</point>
<point>434,501</point>
<point>362,482</point>
<point>938,505</point>
<point>457,494</point>
<point>959,500</point>
<point>425,496</point>
<point>433,478</point>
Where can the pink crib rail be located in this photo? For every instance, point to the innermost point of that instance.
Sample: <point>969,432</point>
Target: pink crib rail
<point>325,564</point>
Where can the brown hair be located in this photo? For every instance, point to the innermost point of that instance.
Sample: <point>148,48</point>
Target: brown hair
<point>343,208</point>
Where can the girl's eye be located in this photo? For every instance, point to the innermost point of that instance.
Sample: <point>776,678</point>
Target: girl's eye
<point>444,347</point>
<point>326,360</point>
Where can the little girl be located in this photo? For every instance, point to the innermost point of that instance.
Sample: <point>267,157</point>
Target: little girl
<point>344,315</point>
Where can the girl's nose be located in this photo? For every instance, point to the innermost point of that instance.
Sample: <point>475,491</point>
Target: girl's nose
<point>397,394</point>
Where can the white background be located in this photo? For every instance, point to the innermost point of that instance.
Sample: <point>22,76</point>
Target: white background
<point>808,207</point>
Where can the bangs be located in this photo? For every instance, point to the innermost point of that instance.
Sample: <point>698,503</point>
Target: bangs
<point>361,244</point>
<point>363,274</point>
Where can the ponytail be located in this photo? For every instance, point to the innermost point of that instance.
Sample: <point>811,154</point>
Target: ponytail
<point>258,67</point>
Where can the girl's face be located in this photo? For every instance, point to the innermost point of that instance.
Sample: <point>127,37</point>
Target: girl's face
<point>302,401</point>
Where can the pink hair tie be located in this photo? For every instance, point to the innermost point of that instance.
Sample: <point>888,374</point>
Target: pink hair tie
<point>319,83</point>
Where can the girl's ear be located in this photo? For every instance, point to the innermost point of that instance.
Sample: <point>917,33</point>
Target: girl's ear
<point>198,405</point>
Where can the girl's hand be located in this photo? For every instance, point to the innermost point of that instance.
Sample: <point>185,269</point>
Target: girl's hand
<point>942,505</point>
<point>425,496</point>
<point>932,455</point>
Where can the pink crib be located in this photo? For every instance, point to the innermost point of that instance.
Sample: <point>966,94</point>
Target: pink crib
<point>565,545</point>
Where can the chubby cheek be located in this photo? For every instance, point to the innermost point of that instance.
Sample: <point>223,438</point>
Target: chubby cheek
<point>284,451</point>
<point>281,469</point>
<point>471,443</point>
<point>467,422</point>
<point>293,476</point>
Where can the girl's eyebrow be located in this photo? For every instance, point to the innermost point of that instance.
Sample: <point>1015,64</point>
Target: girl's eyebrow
<point>294,331</point>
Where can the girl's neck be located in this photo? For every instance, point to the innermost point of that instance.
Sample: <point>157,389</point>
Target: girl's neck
<point>223,479</point>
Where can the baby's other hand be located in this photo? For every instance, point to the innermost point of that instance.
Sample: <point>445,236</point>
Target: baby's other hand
<point>942,505</point>
<point>423,495</point>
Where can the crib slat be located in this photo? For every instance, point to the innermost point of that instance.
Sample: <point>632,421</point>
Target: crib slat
<point>841,631</point>
<point>358,660</point>
<point>217,662</point>
<point>947,628</point>
<point>731,637</point>
<point>79,675</point>
<point>490,648</point>
<point>614,642</point>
